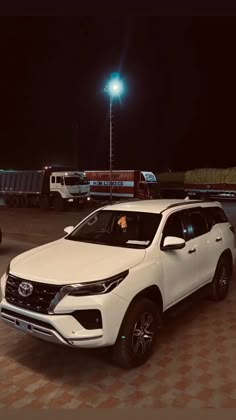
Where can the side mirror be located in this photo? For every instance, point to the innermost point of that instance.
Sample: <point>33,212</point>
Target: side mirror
<point>172,243</point>
<point>68,229</point>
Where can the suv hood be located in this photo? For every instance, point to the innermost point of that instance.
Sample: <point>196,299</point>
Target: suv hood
<point>67,262</point>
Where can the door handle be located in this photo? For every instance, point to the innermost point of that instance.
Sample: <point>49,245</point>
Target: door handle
<point>191,251</point>
<point>218,239</point>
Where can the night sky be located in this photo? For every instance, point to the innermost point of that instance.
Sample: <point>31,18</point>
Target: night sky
<point>178,110</point>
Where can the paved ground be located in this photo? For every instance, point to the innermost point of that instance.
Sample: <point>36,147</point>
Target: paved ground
<point>194,364</point>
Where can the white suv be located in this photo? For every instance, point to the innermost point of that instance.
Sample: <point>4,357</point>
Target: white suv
<point>111,278</point>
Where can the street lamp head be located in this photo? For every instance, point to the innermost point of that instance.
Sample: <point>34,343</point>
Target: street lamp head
<point>115,87</point>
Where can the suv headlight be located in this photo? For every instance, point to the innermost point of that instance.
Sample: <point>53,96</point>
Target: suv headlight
<point>97,287</point>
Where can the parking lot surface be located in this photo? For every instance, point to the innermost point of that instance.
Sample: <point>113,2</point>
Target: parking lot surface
<point>194,365</point>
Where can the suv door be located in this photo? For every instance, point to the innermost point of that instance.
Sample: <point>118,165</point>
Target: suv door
<point>208,242</point>
<point>179,266</point>
<point>216,216</point>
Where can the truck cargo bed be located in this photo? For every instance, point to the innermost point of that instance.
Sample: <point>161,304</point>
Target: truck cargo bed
<point>23,182</point>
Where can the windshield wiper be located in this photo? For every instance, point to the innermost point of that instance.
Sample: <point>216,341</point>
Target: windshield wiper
<point>89,241</point>
<point>137,242</point>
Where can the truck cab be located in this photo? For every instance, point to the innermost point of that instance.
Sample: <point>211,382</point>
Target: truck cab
<point>147,187</point>
<point>69,185</point>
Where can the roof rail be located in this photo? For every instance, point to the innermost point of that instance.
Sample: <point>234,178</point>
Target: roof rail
<point>185,202</point>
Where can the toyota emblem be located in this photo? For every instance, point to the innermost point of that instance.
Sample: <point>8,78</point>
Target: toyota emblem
<point>25,289</point>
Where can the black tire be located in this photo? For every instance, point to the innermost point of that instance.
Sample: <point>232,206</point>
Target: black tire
<point>221,281</point>
<point>34,202</point>
<point>16,201</point>
<point>24,201</point>
<point>8,201</point>
<point>130,350</point>
<point>58,204</point>
<point>44,203</point>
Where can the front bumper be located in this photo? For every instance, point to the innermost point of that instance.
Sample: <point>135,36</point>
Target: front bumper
<point>63,328</point>
<point>78,199</point>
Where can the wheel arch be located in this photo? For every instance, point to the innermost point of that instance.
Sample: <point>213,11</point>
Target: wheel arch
<point>152,293</point>
<point>227,253</point>
<point>55,194</point>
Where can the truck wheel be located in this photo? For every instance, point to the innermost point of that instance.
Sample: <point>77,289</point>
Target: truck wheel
<point>137,335</point>
<point>59,204</point>
<point>34,202</point>
<point>221,281</point>
<point>8,201</point>
<point>24,201</point>
<point>44,203</point>
<point>15,201</point>
<point>204,196</point>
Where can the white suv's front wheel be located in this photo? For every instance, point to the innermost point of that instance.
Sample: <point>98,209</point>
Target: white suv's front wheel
<point>221,280</point>
<point>138,333</point>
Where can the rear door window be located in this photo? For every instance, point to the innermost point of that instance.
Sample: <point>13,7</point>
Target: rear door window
<point>197,225</point>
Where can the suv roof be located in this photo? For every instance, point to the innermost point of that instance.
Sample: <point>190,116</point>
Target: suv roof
<point>158,206</point>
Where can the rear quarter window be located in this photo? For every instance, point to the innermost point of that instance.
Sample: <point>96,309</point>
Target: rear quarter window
<point>215,215</point>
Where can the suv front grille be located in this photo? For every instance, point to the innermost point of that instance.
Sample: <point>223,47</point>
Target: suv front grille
<point>38,301</point>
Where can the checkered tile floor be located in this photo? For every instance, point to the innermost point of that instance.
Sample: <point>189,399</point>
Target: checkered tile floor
<point>194,366</point>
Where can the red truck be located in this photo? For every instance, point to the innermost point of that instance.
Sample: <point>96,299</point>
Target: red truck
<point>125,184</point>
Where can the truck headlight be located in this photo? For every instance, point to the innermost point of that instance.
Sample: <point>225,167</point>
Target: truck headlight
<point>98,287</point>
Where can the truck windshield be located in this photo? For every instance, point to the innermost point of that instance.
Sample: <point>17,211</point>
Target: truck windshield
<point>118,228</point>
<point>75,180</point>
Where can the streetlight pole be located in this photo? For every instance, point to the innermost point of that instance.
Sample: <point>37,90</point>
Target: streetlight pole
<point>114,89</point>
<point>111,145</point>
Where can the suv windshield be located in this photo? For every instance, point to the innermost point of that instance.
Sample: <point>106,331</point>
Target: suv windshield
<point>118,228</point>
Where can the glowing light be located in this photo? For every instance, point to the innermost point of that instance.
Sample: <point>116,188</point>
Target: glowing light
<point>115,86</point>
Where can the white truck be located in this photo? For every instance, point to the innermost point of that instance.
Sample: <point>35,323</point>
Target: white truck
<point>49,187</point>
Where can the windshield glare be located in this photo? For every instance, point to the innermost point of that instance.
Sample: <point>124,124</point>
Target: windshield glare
<point>116,228</point>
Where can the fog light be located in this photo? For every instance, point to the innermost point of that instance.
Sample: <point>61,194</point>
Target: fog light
<point>90,319</point>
